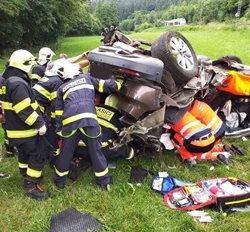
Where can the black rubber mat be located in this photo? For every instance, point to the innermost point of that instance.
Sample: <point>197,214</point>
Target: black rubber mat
<point>71,220</point>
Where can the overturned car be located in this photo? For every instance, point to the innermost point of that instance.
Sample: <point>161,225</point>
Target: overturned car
<point>160,82</point>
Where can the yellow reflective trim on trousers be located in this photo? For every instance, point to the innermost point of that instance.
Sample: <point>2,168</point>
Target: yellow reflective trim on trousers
<point>100,174</point>
<point>12,134</point>
<point>41,108</point>
<point>42,91</point>
<point>83,86</point>
<point>61,173</point>
<point>22,165</point>
<point>82,144</point>
<point>32,118</point>
<point>78,117</point>
<point>35,76</point>
<point>33,173</point>
<point>101,86</point>
<point>22,105</point>
<point>107,124</point>
<point>53,95</point>
<point>59,112</point>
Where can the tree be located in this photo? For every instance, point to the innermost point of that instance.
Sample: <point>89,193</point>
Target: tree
<point>107,14</point>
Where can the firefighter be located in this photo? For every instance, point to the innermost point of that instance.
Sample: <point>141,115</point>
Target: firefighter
<point>10,150</point>
<point>45,92</point>
<point>76,119</point>
<point>23,122</point>
<point>197,133</point>
<point>45,56</point>
<point>108,117</point>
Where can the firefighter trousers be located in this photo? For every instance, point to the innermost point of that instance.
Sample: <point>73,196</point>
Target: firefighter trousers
<point>93,142</point>
<point>31,159</point>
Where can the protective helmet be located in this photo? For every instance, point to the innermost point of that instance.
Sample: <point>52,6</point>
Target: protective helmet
<point>112,101</point>
<point>23,60</point>
<point>72,70</point>
<point>64,69</point>
<point>58,69</point>
<point>45,55</point>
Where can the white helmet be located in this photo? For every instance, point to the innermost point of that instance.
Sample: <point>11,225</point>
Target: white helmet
<point>72,70</point>
<point>23,60</point>
<point>45,55</point>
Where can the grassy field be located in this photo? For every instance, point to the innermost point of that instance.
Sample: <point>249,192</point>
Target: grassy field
<point>126,208</point>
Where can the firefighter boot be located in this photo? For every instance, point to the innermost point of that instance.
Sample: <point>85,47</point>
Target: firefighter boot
<point>59,181</point>
<point>34,190</point>
<point>105,182</point>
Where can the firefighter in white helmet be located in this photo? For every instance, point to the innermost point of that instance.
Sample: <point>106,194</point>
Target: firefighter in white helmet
<point>45,56</point>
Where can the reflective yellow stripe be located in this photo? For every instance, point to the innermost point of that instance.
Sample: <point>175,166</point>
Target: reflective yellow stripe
<point>7,106</point>
<point>239,201</point>
<point>82,144</point>
<point>36,76</point>
<point>22,105</point>
<point>41,108</point>
<point>32,118</point>
<point>61,173</point>
<point>101,86</point>
<point>107,124</point>
<point>99,174</point>
<point>78,117</point>
<point>22,165</point>
<point>34,105</point>
<point>3,90</point>
<point>53,95</point>
<point>21,134</point>
<point>83,86</point>
<point>59,112</point>
<point>34,173</point>
<point>57,151</point>
<point>119,84</point>
<point>53,115</point>
<point>42,91</point>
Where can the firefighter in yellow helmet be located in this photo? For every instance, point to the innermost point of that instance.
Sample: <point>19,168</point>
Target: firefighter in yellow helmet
<point>24,123</point>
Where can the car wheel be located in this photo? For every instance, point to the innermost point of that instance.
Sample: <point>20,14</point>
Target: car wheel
<point>177,55</point>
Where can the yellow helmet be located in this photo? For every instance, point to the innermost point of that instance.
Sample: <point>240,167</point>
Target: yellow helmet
<point>23,60</point>
<point>45,55</point>
<point>112,101</point>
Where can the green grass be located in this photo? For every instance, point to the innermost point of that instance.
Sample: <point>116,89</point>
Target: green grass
<point>125,208</point>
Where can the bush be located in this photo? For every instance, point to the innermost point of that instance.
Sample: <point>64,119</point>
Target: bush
<point>143,27</point>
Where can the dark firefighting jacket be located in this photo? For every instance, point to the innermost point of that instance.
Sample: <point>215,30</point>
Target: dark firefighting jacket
<point>22,114</point>
<point>109,120</point>
<point>46,90</point>
<point>75,103</point>
<point>37,73</point>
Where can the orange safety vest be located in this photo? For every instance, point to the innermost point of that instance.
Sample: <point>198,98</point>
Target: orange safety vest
<point>236,83</point>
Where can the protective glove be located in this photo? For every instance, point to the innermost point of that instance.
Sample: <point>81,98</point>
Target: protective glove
<point>42,130</point>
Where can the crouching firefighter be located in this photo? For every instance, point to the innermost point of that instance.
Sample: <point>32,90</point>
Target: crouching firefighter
<point>23,122</point>
<point>108,117</point>
<point>197,133</point>
<point>76,120</point>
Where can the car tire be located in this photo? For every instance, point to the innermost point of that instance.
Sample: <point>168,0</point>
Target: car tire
<point>178,56</point>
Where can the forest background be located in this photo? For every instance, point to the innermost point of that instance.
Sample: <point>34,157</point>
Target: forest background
<point>32,23</point>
